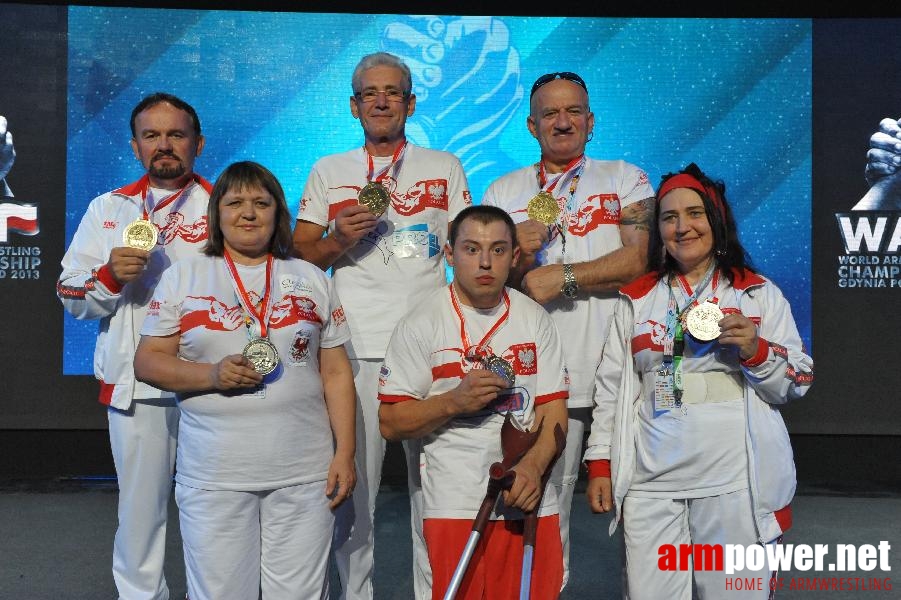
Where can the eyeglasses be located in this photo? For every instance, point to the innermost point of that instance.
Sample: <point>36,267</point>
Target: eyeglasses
<point>549,77</point>
<point>391,94</point>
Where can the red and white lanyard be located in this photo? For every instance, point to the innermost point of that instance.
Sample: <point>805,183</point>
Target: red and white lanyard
<point>163,203</point>
<point>572,172</point>
<point>482,349</point>
<point>393,166</point>
<point>257,321</point>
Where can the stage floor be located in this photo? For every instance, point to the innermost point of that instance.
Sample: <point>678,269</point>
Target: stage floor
<point>57,541</point>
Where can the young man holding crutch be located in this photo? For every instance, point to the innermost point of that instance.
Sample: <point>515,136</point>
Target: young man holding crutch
<point>456,366</point>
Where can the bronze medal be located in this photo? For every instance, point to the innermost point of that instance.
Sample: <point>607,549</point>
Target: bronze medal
<point>543,208</point>
<point>499,366</point>
<point>375,196</point>
<point>263,354</point>
<point>702,321</point>
<point>140,234</point>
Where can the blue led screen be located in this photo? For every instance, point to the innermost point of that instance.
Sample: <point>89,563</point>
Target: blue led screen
<point>733,95</point>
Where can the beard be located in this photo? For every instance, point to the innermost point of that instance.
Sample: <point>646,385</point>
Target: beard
<point>169,171</point>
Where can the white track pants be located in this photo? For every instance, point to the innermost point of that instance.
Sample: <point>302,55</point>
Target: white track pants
<point>650,522</point>
<point>143,442</point>
<point>239,544</point>
<point>566,473</point>
<point>354,539</point>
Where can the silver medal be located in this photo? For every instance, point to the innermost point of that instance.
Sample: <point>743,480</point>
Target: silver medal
<point>262,353</point>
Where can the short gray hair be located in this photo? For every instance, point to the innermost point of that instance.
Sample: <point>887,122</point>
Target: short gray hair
<point>382,59</point>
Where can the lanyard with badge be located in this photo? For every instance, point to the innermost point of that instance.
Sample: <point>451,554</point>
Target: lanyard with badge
<point>668,385</point>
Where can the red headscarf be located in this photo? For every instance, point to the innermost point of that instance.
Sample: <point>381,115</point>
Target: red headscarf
<point>684,180</point>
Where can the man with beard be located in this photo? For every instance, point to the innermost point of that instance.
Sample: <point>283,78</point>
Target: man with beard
<point>109,273</point>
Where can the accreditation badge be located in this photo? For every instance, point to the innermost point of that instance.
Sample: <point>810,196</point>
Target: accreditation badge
<point>664,396</point>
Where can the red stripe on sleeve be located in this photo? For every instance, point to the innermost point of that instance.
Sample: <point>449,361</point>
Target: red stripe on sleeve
<point>545,398</point>
<point>393,399</point>
<point>449,370</point>
<point>598,468</point>
<point>105,276</point>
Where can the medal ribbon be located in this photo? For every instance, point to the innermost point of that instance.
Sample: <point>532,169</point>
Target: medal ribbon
<point>569,168</point>
<point>487,337</point>
<point>674,340</point>
<point>171,198</point>
<point>260,319</point>
<point>396,158</point>
<point>573,171</point>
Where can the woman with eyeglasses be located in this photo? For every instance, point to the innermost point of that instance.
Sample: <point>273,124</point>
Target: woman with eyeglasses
<point>687,445</point>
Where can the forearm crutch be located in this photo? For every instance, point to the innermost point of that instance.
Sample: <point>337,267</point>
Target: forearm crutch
<point>514,444</point>
<point>530,523</point>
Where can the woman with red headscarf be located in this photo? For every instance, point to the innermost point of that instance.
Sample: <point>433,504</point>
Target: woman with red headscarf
<point>687,445</point>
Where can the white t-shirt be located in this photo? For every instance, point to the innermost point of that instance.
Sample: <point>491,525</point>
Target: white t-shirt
<point>604,188</point>
<point>700,451</point>
<point>401,261</point>
<point>426,357</point>
<point>251,440</point>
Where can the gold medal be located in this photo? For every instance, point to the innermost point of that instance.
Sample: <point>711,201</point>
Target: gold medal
<point>375,196</point>
<point>140,234</point>
<point>262,353</point>
<point>702,321</point>
<point>543,208</point>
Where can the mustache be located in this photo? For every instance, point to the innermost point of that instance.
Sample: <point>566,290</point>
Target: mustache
<point>164,154</point>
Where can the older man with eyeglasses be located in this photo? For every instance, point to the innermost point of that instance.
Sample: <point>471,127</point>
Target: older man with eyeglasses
<point>582,225</point>
<point>378,216</point>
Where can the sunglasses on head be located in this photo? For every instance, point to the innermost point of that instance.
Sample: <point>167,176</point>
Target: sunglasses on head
<point>567,75</point>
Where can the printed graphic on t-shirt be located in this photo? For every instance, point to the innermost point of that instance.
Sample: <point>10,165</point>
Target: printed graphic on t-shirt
<point>415,241</point>
<point>422,195</point>
<point>430,193</point>
<point>175,227</point>
<point>210,313</point>
<point>523,358</point>
<point>300,347</point>
<point>596,210</point>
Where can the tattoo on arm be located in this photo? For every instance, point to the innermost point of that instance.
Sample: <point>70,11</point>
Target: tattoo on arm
<point>639,214</point>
